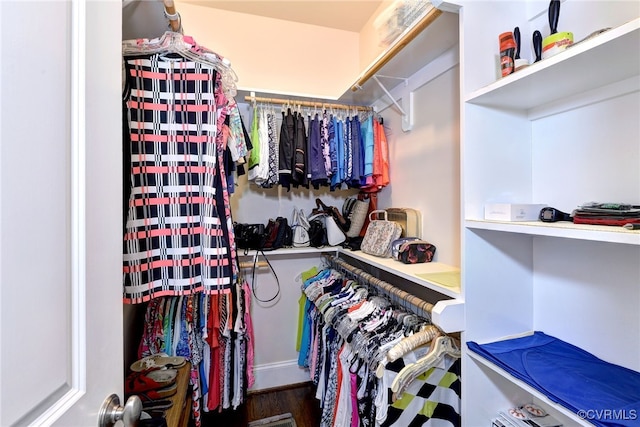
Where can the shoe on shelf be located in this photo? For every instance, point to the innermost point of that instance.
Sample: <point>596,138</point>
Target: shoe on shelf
<point>138,382</point>
<point>157,361</point>
<point>158,394</point>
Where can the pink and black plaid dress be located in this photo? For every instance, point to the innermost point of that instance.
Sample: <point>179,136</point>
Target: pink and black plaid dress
<point>177,229</point>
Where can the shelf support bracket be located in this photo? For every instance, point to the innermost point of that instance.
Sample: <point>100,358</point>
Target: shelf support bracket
<point>407,102</point>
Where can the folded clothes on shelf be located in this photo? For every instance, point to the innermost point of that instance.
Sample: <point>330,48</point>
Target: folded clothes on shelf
<point>570,376</point>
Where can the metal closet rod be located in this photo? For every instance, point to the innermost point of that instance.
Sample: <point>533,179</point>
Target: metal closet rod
<point>172,15</point>
<point>426,20</point>
<point>418,305</point>
<point>282,101</point>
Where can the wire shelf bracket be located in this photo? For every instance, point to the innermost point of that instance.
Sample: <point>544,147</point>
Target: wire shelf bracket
<point>406,109</point>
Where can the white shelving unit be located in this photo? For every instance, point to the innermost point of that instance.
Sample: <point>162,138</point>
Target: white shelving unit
<point>563,131</point>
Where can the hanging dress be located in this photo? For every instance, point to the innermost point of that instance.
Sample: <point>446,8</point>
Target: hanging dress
<point>175,242</point>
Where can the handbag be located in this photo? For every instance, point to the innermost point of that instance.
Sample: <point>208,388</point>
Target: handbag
<point>249,236</point>
<point>409,219</point>
<point>317,231</point>
<point>379,235</point>
<point>333,212</point>
<point>300,227</point>
<point>335,234</point>
<point>417,251</point>
<point>396,244</point>
<point>278,234</point>
<point>356,210</point>
<point>326,231</point>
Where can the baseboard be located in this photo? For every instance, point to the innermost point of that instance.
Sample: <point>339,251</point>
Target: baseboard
<point>272,375</point>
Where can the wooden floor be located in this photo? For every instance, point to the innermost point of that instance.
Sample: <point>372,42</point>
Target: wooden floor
<point>298,400</point>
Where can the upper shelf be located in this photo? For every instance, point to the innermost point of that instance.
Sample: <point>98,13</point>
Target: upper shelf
<point>437,276</point>
<point>429,37</point>
<point>569,230</point>
<point>583,67</point>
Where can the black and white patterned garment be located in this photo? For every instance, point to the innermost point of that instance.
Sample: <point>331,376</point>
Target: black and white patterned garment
<point>274,158</point>
<point>431,400</point>
<point>174,242</point>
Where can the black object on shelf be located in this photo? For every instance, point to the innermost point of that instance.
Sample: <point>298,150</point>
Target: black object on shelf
<point>537,45</point>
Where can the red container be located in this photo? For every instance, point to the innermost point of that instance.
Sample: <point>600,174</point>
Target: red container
<point>507,53</point>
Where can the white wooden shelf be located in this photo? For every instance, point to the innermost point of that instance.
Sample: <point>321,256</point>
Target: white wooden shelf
<point>567,230</point>
<point>586,66</point>
<point>526,387</point>
<point>440,36</point>
<point>448,314</point>
<point>411,271</point>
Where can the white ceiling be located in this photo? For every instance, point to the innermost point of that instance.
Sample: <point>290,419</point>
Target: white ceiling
<point>350,15</point>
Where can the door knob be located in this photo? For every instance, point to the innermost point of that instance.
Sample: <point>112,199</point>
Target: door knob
<point>112,412</point>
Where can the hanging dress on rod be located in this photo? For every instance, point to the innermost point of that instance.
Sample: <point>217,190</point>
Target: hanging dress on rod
<point>179,248</point>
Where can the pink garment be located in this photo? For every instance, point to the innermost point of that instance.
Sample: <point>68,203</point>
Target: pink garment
<point>213,338</point>
<point>248,334</point>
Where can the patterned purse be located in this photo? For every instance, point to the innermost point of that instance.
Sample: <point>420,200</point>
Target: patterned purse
<point>379,236</point>
<point>417,251</point>
<point>397,244</point>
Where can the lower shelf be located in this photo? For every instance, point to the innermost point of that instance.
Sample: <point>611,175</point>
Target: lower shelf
<point>526,387</point>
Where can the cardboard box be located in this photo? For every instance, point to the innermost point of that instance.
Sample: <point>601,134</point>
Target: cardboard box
<point>512,211</point>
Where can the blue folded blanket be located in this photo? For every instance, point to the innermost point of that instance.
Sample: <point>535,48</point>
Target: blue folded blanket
<point>603,393</point>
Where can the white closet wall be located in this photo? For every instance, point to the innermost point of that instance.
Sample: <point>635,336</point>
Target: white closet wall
<point>425,163</point>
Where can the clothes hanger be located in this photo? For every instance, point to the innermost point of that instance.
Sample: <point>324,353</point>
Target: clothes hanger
<point>185,46</point>
<point>441,346</point>
<point>427,334</point>
<point>174,42</point>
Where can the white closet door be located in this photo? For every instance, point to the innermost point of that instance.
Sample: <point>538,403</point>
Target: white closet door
<point>60,211</point>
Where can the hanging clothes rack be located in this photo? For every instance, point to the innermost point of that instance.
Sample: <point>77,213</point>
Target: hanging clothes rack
<point>348,330</point>
<point>404,299</point>
<point>312,104</point>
